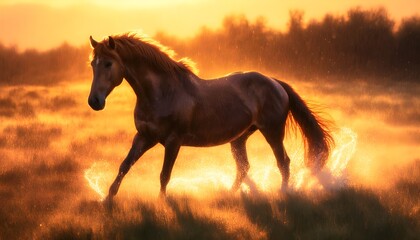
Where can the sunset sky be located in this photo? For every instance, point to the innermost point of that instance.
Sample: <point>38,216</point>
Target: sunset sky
<point>44,24</point>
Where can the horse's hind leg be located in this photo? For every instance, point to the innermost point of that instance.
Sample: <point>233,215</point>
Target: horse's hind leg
<point>275,139</point>
<point>283,163</point>
<point>238,148</point>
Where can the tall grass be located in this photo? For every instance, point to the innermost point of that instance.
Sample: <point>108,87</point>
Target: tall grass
<point>351,213</point>
<point>43,193</point>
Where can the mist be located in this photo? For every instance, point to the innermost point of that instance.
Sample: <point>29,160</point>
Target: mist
<point>58,157</point>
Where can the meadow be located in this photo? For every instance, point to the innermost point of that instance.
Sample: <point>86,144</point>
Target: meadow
<point>58,157</point>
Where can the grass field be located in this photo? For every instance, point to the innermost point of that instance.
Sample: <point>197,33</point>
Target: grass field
<point>52,144</point>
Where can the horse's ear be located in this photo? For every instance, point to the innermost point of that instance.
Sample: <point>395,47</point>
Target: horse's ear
<point>111,43</point>
<point>93,43</point>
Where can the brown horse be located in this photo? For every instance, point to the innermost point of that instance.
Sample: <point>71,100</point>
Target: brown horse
<point>176,108</point>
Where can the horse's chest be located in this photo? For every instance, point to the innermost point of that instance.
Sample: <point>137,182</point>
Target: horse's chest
<point>148,122</point>
<point>158,124</point>
<point>144,125</point>
<point>165,118</point>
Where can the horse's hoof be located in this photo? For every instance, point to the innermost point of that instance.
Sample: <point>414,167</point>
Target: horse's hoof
<point>233,190</point>
<point>162,195</point>
<point>285,189</point>
<point>108,203</point>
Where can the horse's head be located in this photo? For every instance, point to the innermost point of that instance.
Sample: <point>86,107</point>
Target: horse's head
<point>107,72</point>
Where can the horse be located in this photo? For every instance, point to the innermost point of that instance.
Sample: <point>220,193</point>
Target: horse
<point>177,108</point>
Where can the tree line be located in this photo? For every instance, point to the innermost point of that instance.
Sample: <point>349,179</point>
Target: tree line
<point>63,63</point>
<point>358,44</point>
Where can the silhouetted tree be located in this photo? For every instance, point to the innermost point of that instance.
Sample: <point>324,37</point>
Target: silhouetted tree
<point>408,46</point>
<point>359,44</point>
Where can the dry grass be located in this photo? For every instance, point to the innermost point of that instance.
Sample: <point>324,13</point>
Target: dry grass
<point>53,209</point>
<point>49,137</point>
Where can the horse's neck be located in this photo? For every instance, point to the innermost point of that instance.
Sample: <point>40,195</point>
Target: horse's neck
<point>134,80</point>
<point>146,82</point>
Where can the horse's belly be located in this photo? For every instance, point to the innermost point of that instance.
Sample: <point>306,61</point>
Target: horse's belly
<point>195,140</point>
<point>217,131</point>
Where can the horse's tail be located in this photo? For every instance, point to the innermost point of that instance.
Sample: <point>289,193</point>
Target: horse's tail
<point>314,129</point>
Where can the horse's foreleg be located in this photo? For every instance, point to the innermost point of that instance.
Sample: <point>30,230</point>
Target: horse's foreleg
<point>171,152</point>
<point>140,145</point>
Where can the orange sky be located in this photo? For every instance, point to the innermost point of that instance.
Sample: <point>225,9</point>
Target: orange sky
<point>44,24</point>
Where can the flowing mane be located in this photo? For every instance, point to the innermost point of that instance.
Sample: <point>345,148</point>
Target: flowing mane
<point>130,46</point>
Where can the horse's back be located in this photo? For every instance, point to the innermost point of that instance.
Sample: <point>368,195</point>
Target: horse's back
<point>226,107</point>
<point>269,99</point>
<point>221,113</point>
<point>263,90</point>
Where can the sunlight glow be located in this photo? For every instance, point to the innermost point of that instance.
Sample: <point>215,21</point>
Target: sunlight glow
<point>107,3</point>
<point>182,18</point>
<point>261,179</point>
<point>95,180</point>
<point>147,4</point>
<point>334,174</point>
<point>346,147</point>
<point>211,179</point>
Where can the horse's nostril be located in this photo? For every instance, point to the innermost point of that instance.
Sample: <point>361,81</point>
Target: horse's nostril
<point>95,103</point>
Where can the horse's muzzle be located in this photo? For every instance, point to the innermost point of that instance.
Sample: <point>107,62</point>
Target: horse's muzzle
<point>96,103</point>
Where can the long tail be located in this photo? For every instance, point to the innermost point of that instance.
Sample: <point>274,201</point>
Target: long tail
<point>315,132</point>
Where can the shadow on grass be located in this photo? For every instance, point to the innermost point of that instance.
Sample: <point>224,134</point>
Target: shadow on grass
<point>345,214</point>
<point>349,213</point>
<point>176,219</point>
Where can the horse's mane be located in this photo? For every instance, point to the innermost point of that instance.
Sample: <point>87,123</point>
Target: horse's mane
<point>131,45</point>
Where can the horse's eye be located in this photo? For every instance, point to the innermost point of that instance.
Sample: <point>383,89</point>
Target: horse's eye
<point>108,64</point>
